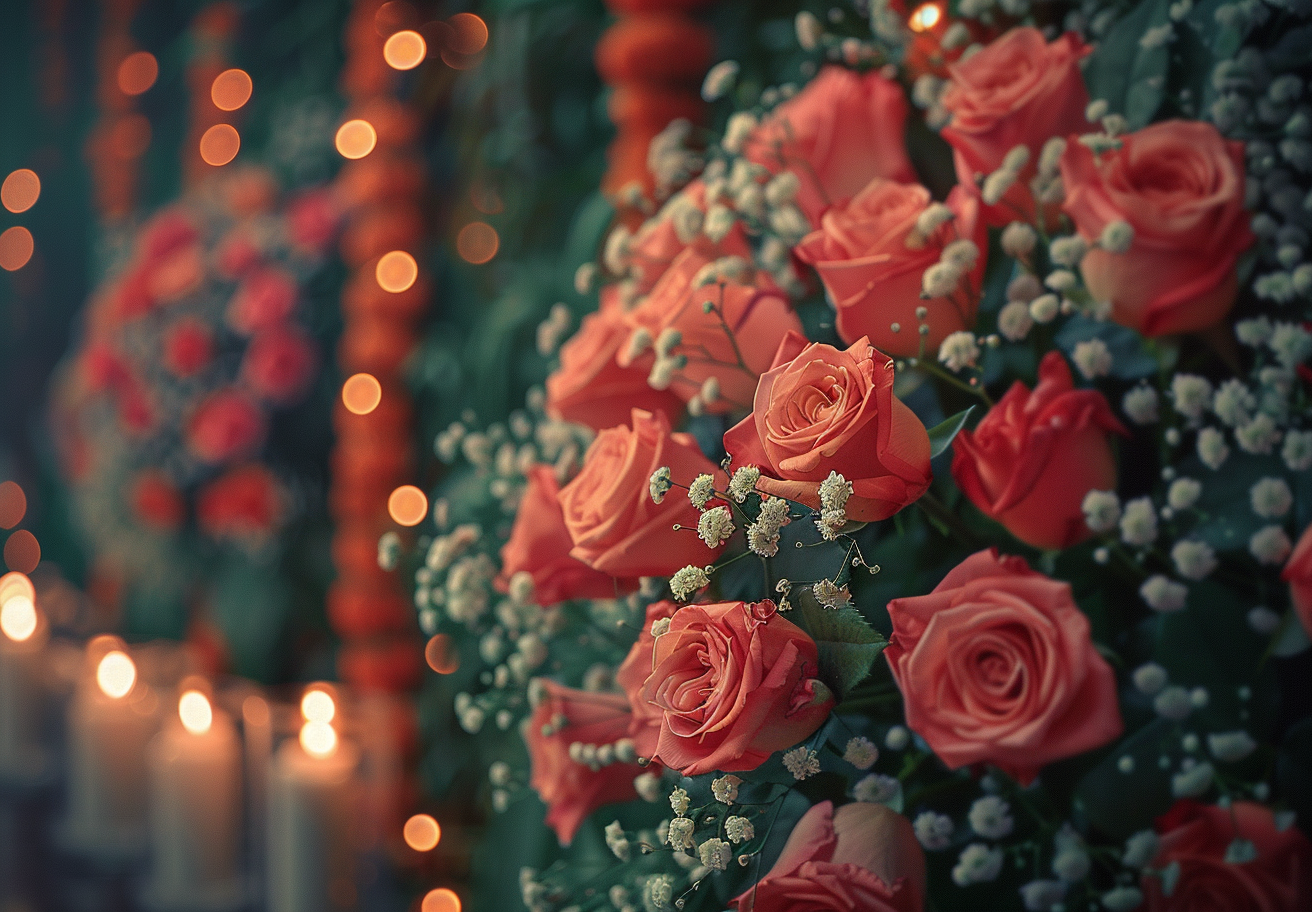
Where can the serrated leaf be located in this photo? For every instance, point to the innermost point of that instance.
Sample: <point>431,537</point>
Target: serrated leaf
<point>846,643</point>
<point>942,434</point>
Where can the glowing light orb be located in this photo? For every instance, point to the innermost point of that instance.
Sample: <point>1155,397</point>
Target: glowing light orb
<point>469,33</point>
<point>22,551</point>
<point>477,242</point>
<point>20,190</point>
<point>396,271</point>
<point>440,900</point>
<point>405,50</point>
<point>231,89</point>
<point>220,144</point>
<point>318,706</point>
<point>137,72</point>
<point>361,394</point>
<point>356,139</point>
<point>318,739</point>
<point>441,655</point>
<point>421,833</point>
<point>925,17</point>
<point>18,618</point>
<point>13,504</point>
<point>16,248</point>
<point>195,712</point>
<point>407,505</point>
<point>116,674</point>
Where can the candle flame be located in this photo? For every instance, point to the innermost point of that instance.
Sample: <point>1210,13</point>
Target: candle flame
<point>318,706</point>
<point>195,711</point>
<point>116,674</point>
<point>318,739</point>
<point>925,17</point>
<point>18,617</point>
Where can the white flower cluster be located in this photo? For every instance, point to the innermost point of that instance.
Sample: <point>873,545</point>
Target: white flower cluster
<point>763,533</point>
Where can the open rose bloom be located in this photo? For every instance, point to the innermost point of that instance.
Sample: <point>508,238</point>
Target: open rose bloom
<point>918,508</point>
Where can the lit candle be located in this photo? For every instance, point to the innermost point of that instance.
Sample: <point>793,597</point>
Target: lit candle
<point>23,635</point>
<point>110,721</point>
<point>311,858</point>
<point>195,806</point>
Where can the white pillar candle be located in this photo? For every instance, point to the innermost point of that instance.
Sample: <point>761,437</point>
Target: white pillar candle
<point>110,720</point>
<point>311,796</point>
<point>195,806</point>
<point>23,636</point>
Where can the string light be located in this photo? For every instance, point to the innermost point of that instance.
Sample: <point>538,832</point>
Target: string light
<point>195,712</point>
<point>16,248</point>
<point>477,242</point>
<point>396,271</point>
<point>231,89</point>
<point>405,50</point>
<point>407,505</point>
<point>422,833</point>
<point>356,139</point>
<point>440,900</point>
<point>137,72</point>
<point>925,17</point>
<point>220,144</point>
<point>361,393</point>
<point>116,674</point>
<point>20,190</point>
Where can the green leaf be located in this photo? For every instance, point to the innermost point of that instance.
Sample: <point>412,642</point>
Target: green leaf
<point>1131,358</point>
<point>1120,803</point>
<point>941,435</point>
<point>847,644</point>
<point>1128,76</point>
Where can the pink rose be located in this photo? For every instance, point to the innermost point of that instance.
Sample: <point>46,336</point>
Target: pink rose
<point>279,363</point>
<point>645,728</point>
<point>732,342</point>
<point>996,666</point>
<point>1196,837</point>
<point>1298,573</point>
<point>1180,186</point>
<point>734,683</point>
<point>1035,455</point>
<point>614,524</point>
<point>840,132</point>
<point>225,425</point>
<point>859,858</point>
<point>590,388</point>
<point>539,545</point>
<point>822,410</point>
<point>265,298</point>
<point>873,275</point>
<point>1018,91</point>
<point>574,790</point>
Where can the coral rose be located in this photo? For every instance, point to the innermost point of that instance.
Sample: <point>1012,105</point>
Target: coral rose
<point>840,132</point>
<point>1196,837</point>
<point>731,341</point>
<point>279,363</point>
<point>1035,456</point>
<point>1180,185</point>
<point>615,526</point>
<point>996,666</point>
<point>590,388</point>
<point>734,683</point>
<point>822,410</point>
<point>573,790</point>
<point>243,503</point>
<point>1019,90</point>
<point>265,298</point>
<point>873,275</point>
<point>539,545</point>
<point>226,424</point>
<point>632,675</point>
<point>1298,573</point>
<point>859,858</point>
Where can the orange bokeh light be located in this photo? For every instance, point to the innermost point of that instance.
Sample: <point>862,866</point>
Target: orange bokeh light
<point>137,72</point>
<point>441,654</point>
<point>13,504</point>
<point>926,16</point>
<point>16,248</point>
<point>318,706</point>
<point>18,618</point>
<point>116,674</point>
<point>220,144</point>
<point>318,739</point>
<point>407,505</point>
<point>195,712</point>
<point>20,190</point>
<point>231,89</point>
<point>468,33</point>
<point>477,242</point>
<point>14,584</point>
<point>405,50</point>
<point>422,833</point>
<point>361,394</point>
<point>22,551</point>
<point>396,271</point>
<point>356,138</point>
<point>440,900</point>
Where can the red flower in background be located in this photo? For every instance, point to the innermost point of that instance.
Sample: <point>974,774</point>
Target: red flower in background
<point>237,254</point>
<point>188,347</point>
<point>157,500</point>
<point>312,220</point>
<point>244,502</point>
<point>265,298</point>
<point>225,425</point>
<point>279,363</point>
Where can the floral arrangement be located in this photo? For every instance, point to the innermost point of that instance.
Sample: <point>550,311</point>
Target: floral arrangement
<point>197,349</point>
<point>921,530</point>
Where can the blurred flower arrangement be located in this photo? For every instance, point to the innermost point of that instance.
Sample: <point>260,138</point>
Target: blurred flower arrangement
<point>193,347</point>
<point>883,545</point>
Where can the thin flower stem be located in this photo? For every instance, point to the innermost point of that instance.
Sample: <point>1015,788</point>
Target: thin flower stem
<point>935,509</point>
<point>931,368</point>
